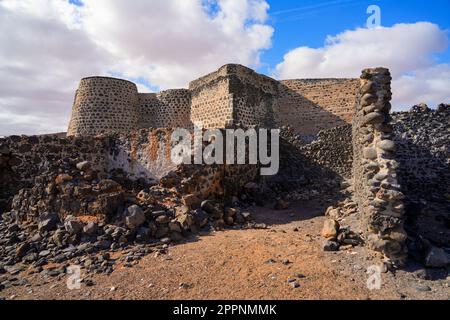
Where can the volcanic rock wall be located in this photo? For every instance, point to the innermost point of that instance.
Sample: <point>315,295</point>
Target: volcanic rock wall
<point>104,105</point>
<point>254,97</point>
<point>422,137</point>
<point>167,109</point>
<point>23,158</point>
<point>143,156</point>
<point>232,95</point>
<point>211,100</point>
<point>377,191</point>
<point>312,105</point>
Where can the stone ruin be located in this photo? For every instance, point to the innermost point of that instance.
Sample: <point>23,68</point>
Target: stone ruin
<point>110,182</point>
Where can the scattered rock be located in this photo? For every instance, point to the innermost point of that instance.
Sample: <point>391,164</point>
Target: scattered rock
<point>437,258</point>
<point>83,166</point>
<point>281,205</point>
<point>90,228</point>
<point>422,288</point>
<point>72,225</point>
<point>134,217</point>
<point>330,246</point>
<point>48,221</point>
<point>330,228</point>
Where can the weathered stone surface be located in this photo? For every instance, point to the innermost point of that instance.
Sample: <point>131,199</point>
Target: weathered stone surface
<point>437,258</point>
<point>373,118</point>
<point>387,145</point>
<point>370,153</point>
<point>72,225</point>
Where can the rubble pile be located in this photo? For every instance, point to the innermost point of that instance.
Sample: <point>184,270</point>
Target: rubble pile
<point>339,237</point>
<point>422,136</point>
<point>313,170</point>
<point>73,216</point>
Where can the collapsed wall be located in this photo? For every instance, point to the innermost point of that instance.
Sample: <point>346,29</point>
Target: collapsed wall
<point>422,137</point>
<point>142,156</point>
<point>377,191</point>
<point>23,158</point>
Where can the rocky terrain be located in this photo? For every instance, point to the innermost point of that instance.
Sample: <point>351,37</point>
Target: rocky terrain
<point>423,152</point>
<point>287,262</point>
<point>153,240</point>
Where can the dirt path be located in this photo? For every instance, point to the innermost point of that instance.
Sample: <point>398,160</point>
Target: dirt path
<point>244,264</point>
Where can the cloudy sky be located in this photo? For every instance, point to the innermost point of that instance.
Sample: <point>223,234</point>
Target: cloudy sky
<point>46,46</point>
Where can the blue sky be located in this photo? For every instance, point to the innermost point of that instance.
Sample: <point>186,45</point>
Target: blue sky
<point>309,22</point>
<point>306,22</point>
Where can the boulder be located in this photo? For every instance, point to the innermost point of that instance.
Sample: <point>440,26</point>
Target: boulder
<point>72,225</point>
<point>330,228</point>
<point>437,258</point>
<point>191,200</point>
<point>134,217</point>
<point>174,226</point>
<point>211,208</point>
<point>185,220</point>
<point>200,218</point>
<point>48,221</point>
<point>90,228</point>
<point>330,246</point>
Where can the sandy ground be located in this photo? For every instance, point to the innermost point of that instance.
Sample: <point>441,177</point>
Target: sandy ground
<point>245,264</point>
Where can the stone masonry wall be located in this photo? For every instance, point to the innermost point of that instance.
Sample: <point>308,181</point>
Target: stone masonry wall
<point>311,105</point>
<point>104,105</point>
<point>167,109</point>
<point>211,100</point>
<point>254,97</point>
<point>377,191</point>
<point>422,138</point>
<point>233,94</point>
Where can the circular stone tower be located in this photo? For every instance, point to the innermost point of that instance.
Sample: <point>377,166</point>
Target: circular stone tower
<point>104,105</point>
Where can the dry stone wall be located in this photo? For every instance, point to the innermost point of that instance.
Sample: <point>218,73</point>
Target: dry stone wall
<point>377,191</point>
<point>422,137</point>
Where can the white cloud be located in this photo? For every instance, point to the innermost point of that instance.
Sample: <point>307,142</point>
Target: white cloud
<point>171,42</point>
<point>406,49</point>
<point>42,59</point>
<point>46,46</point>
